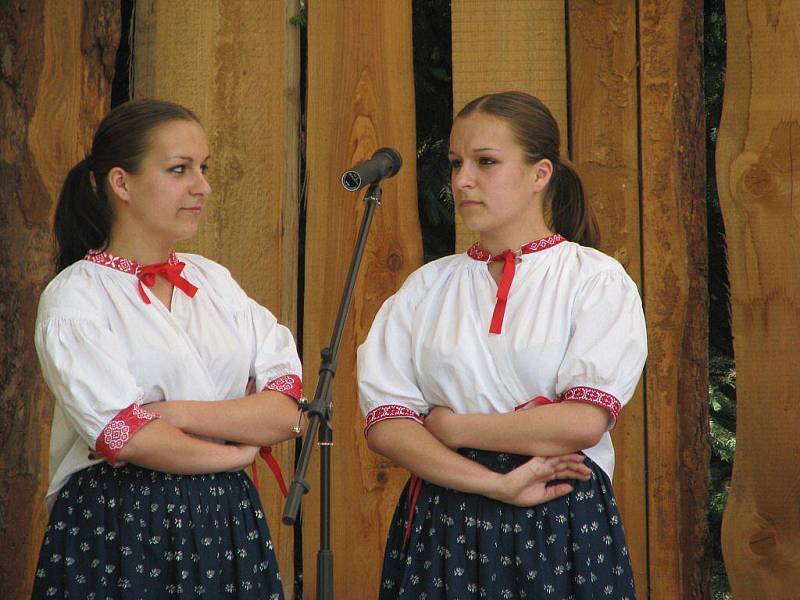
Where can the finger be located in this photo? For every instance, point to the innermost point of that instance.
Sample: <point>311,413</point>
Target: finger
<point>572,474</point>
<point>558,490</point>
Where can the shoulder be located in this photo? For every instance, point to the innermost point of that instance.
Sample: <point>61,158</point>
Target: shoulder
<point>73,293</point>
<point>432,274</point>
<point>208,274</point>
<point>589,265</point>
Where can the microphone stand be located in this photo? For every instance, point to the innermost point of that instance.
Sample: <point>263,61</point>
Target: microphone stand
<point>320,413</point>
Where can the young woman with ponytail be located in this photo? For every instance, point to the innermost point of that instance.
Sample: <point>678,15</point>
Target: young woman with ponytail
<point>527,345</point>
<point>167,379</point>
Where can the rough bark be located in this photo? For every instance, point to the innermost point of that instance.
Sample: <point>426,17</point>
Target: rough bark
<point>56,65</point>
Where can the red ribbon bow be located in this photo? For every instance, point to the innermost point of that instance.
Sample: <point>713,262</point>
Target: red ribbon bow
<point>170,272</point>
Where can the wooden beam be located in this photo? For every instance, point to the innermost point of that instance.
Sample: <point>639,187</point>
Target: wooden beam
<point>675,295</point>
<point>236,64</point>
<point>360,97</point>
<point>758,168</point>
<point>56,70</point>
<point>509,45</point>
<point>604,116</point>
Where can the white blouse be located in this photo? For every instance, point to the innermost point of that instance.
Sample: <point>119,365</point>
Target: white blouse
<point>573,329</point>
<point>105,352</point>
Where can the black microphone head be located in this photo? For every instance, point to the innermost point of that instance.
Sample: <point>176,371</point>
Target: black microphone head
<point>393,158</point>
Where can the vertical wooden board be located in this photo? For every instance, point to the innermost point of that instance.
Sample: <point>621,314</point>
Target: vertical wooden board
<point>674,267</point>
<point>758,167</point>
<point>604,132</point>
<point>509,45</point>
<point>360,97</point>
<point>236,64</point>
<point>56,69</point>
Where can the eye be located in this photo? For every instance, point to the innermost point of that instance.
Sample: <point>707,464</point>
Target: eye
<point>179,169</point>
<point>204,169</point>
<point>455,164</point>
<point>486,161</point>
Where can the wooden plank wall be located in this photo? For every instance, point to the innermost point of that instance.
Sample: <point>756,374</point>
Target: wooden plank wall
<point>758,174</point>
<point>56,70</point>
<point>633,131</point>
<point>192,54</point>
<point>360,98</point>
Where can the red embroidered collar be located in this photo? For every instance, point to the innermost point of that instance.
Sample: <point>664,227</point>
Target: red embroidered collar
<point>146,274</point>
<point>125,265</point>
<point>509,260</point>
<point>478,252</point>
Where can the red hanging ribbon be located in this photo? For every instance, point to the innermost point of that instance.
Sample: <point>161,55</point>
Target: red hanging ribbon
<point>170,272</point>
<point>414,488</point>
<point>266,454</point>
<point>503,288</point>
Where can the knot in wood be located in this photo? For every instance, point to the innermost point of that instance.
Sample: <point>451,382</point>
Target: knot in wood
<point>393,262</point>
<point>763,542</point>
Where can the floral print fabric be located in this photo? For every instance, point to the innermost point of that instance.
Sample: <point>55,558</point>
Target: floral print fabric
<point>465,546</point>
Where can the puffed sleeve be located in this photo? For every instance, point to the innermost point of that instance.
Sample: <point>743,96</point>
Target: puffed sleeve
<point>387,385</point>
<point>607,346</point>
<point>275,365</point>
<point>85,367</point>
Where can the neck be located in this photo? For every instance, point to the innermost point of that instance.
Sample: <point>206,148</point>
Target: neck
<point>497,243</point>
<point>143,252</point>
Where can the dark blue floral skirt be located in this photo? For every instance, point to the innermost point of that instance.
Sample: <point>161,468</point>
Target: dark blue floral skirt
<point>132,533</point>
<point>464,546</point>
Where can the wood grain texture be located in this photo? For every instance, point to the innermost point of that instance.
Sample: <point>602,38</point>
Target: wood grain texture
<point>509,45</point>
<point>360,97</point>
<point>675,295</point>
<point>605,148</point>
<point>758,176</point>
<point>236,64</point>
<point>56,65</point>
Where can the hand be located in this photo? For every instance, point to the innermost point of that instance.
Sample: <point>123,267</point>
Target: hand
<point>527,484</point>
<point>248,454</point>
<point>440,422</point>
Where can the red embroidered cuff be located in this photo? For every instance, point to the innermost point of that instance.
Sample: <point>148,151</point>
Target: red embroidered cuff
<point>390,411</point>
<point>121,429</point>
<point>291,385</point>
<point>594,396</point>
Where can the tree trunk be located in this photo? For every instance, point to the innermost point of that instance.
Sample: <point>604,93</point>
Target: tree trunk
<point>758,167</point>
<point>56,66</point>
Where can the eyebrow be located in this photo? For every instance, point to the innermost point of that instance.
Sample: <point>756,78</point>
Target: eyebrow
<point>189,158</point>
<point>477,150</point>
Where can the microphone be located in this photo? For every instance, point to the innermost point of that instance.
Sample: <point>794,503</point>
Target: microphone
<point>385,163</point>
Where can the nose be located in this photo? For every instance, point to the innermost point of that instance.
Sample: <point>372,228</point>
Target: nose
<point>201,186</point>
<point>462,178</point>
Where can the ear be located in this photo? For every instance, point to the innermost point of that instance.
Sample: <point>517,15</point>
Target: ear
<point>118,183</point>
<point>542,173</point>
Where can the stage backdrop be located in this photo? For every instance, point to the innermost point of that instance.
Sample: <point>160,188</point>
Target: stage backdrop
<point>624,80</point>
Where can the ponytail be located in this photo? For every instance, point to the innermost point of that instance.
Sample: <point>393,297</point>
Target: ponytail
<point>82,220</point>
<point>571,214</point>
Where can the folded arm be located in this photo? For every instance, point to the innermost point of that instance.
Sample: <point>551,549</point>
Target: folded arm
<point>162,447</point>
<point>549,430</point>
<point>259,419</point>
<point>410,445</point>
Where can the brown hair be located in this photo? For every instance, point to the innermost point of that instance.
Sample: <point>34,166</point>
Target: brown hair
<point>83,214</point>
<point>536,131</point>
